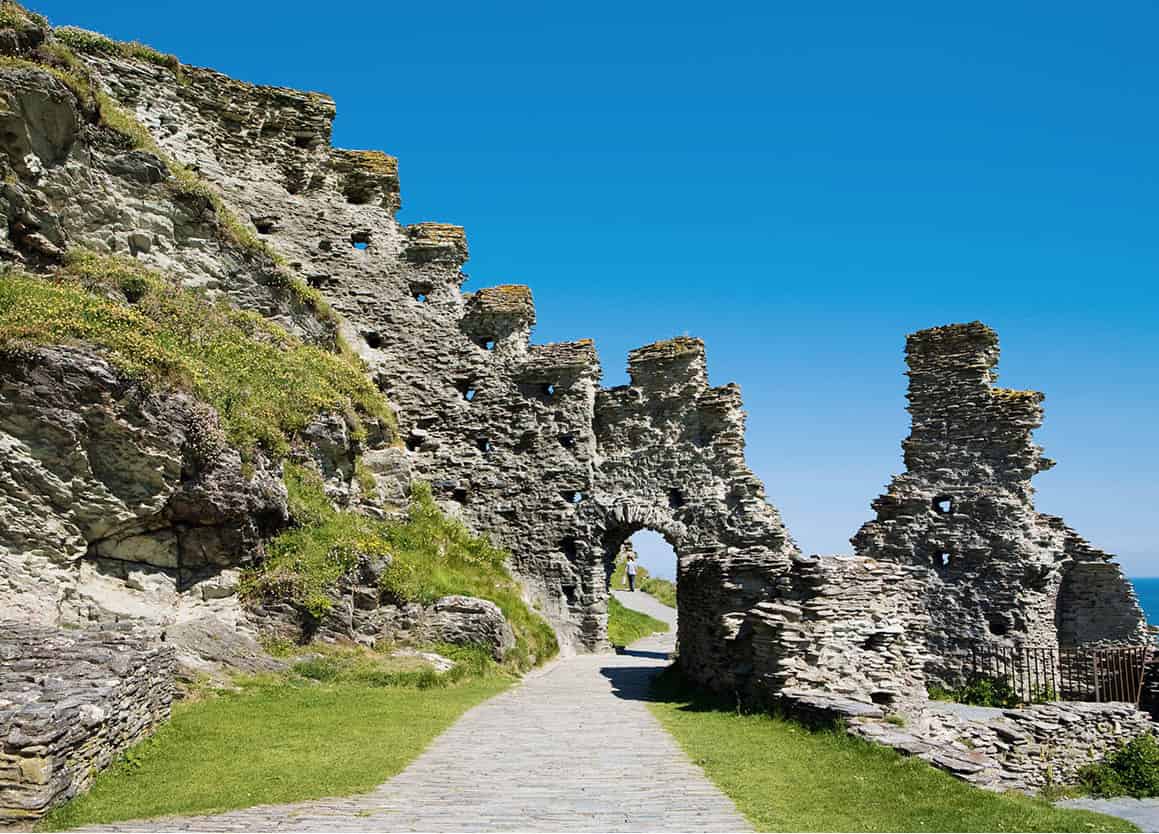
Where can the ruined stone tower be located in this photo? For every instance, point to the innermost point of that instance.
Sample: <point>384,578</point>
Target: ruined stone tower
<point>999,570</point>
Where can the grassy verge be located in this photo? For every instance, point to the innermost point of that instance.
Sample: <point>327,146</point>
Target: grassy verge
<point>626,626</point>
<point>663,590</point>
<point>784,777</point>
<point>265,384</point>
<point>430,555</point>
<point>341,724</point>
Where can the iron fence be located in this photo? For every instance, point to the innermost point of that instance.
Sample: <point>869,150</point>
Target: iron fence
<point>1034,674</point>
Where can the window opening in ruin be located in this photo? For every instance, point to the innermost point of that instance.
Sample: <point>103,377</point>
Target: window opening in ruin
<point>420,292</point>
<point>360,240</point>
<point>459,494</point>
<point>526,442</point>
<point>467,388</point>
<point>317,281</point>
<point>303,141</point>
<point>570,594</point>
<point>944,505</point>
<point>567,441</point>
<point>549,389</point>
<point>414,443</point>
<point>484,445</point>
<point>570,548</point>
<point>486,342</point>
<point>675,499</point>
<point>373,338</point>
<point>264,225</point>
<point>943,560</point>
<point>997,626</point>
<point>572,496</point>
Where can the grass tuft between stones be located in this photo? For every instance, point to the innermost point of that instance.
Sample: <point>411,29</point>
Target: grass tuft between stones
<point>265,384</point>
<point>431,556</point>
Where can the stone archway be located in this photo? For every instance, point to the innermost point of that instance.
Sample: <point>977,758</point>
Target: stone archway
<point>671,460</point>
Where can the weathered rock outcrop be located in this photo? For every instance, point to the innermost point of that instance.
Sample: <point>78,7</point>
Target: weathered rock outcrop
<point>999,571</point>
<point>70,702</point>
<point>117,501</point>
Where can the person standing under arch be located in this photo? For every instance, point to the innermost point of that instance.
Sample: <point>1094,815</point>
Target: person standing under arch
<point>630,570</point>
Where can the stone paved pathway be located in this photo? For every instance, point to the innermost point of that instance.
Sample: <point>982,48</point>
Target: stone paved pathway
<point>1143,812</point>
<point>571,748</point>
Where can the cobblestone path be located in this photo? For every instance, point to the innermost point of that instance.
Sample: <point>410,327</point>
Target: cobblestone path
<point>571,748</point>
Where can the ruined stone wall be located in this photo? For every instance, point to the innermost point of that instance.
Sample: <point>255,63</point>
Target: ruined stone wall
<point>505,431</point>
<point>964,508</point>
<point>671,460</point>
<point>848,630</point>
<point>1025,749</point>
<point>70,702</point>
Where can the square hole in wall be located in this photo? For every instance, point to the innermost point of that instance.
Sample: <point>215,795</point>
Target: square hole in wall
<point>944,505</point>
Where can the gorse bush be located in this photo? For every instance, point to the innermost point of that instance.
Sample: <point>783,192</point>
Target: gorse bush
<point>265,384</point>
<point>1132,770</point>
<point>430,556</point>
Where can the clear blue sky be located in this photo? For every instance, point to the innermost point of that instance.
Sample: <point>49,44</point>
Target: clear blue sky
<point>798,184</point>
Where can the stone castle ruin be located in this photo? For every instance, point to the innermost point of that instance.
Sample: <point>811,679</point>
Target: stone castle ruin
<point>997,570</point>
<point>136,523</point>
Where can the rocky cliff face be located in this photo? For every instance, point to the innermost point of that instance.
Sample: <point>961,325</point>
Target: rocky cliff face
<point>118,501</point>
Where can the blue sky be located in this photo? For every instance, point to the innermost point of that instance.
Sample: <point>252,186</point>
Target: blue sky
<point>799,184</point>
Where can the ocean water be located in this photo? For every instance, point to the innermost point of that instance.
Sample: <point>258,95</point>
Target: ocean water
<point>1147,589</point>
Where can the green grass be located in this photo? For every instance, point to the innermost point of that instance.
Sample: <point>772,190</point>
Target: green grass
<point>96,44</point>
<point>661,589</point>
<point>626,626</point>
<point>431,556</point>
<point>275,741</point>
<point>784,777</point>
<point>265,384</point>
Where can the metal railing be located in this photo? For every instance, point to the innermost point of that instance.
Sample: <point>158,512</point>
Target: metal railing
<point>1095,673</point>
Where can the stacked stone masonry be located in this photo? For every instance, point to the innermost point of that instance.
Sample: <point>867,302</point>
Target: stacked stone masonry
<point>1025,749</point>
<point>999,572</point>
<point>70,702</point>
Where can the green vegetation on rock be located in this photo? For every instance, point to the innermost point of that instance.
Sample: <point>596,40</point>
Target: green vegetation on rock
<point>278,739</point>
<point>626,626</point>
<point>1132,770</point>
<point>785,777</point>
<point>95,43</point>
<point>988,691</point>
<point>58,56</point>
<point>265,384</point>
<point>430,556</point>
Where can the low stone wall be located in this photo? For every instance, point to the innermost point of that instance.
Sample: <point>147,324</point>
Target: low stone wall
<point>1013,749</point>
<point>847,630</point>
<point>70,701</point>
